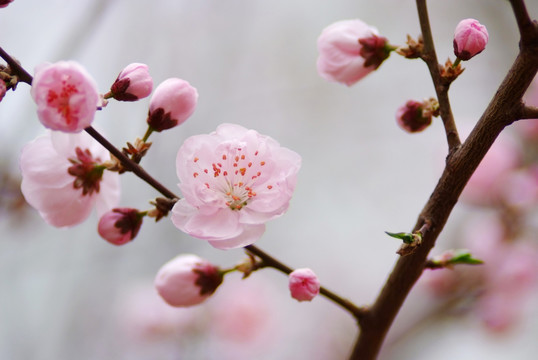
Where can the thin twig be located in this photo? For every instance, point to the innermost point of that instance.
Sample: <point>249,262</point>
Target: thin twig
<point>16,69</point>
<point>441,88</point>
<point>357,312</point>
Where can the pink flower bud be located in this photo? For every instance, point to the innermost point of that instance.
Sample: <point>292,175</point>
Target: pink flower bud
<point>4,3</point>
<point>172,103</point>
<point>412,118</point>
<point>3,89</point>
<point>120,225</point>
<point>133,83</point>
<point>187,280</point>
<point>349,50</point>
<point>66,96</point>
<point>470,39</point>
<point>304,284</point>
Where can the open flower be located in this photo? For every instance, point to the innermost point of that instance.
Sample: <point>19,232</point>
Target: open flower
<point>349,50</point>
<point>66,96</point>
<point>133,83</point>
<point>63,178</point>
<point>233,181</point>
<point>187,280</point>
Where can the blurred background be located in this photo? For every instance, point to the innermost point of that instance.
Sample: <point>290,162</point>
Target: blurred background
<point>67,294</point>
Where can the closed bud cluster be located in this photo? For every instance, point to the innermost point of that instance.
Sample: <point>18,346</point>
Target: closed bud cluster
<point>187,280</point>
<point>172,103</point>
<point>133,83</point>
<point>470,39</point>
<point>304,284</point>
<point>120,225</point>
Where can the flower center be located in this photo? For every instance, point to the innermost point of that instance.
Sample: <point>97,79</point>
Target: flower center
<point>60,100</point>
<point>87,172</point>
<point>233,176</point>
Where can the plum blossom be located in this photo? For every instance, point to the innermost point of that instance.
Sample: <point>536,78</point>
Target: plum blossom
<point>470,39</point>
<point>172,103</point>
<point>133,83</point>
<point>349,50</point>
<point>233,181</point>
<point>63,178</point>
<point>120,225</point>
<point>304,284</point>
<point>187,280</point>
<point>66,96</point>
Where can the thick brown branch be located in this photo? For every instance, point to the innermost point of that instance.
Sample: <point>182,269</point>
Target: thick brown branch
<point>441,88</point>
<point>501,111</point>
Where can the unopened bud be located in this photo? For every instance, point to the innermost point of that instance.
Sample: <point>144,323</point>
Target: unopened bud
<point>133,83</point>
<point>172,103</point>
<point>120,225</point>
<point>304,284</point>
<point>470,39</point>
<point>187,280</point>
<point>414,116</point>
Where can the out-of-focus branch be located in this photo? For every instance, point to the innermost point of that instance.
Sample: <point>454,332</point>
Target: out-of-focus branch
<point>441,87</point>
<point>504,109</point>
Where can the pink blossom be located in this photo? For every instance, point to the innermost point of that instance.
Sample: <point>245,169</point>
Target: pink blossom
<point>133,83</point>
<point>172,103</point>
<point>4,3</point>
<point>66,96</point>
<point>187,280</point>
<point>470,39</point>
<point>120,225</point>
<point>485,186</point>
<point>349,50</point>
<point>62,177</point>
<point>304,284</point>
<point>233,181</point>
<point>411,117</point>
<point>520,188</point>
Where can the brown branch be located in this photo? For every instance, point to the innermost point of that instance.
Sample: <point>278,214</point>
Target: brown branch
<point>441,87</point>
<point>16,69</point>
<point>528,112</point>
<point>501,111</point>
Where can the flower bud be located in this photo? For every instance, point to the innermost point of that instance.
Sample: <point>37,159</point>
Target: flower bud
<point>187,280</point>
<point>304,284</point>
<point>172,103</point>
<point>349,50</point>
<point>470,39</point>
<point>66,96</point>
<point>412,116</point>
<point>3,89</point>
<point>4,3</point>
<point>133,83</point>
<point>120,225</point>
